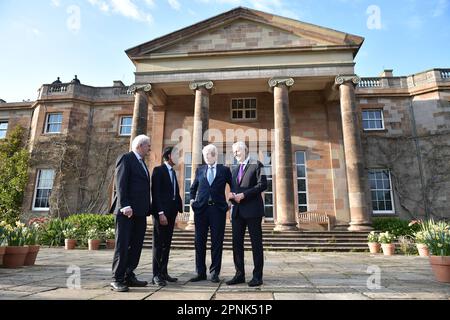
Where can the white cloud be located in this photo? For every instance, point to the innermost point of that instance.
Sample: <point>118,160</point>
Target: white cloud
<point>441,8</point>
<point>126,8</point>
<point>56,3</point>
<point>174,4</point>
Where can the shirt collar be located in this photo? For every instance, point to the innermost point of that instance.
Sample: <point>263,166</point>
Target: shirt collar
<point>214,165</point>
<point>246,161</point>
<point>168,165</point>
<point>137,155</point>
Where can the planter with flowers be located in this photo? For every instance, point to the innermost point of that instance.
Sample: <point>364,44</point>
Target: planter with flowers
<point>437,238</point>
<point>2,241</point>
<point>94,239</point>
<point>16,251</point>
<point>110,235</point>
<point>372,242</point>
<point>386,239</point>
<point>70,238</point>
<point>420,244</point>
<point>32,241</point>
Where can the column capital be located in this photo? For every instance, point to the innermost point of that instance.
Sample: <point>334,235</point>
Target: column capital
<point>343,78</point>
<point>196,85</point>
<point>140,87</point>
<point>274,82</point>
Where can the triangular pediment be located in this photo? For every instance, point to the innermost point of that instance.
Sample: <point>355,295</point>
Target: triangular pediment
<point>245,29</point>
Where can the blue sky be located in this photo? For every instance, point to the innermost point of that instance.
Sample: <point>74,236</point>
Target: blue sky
<point>43,39</point>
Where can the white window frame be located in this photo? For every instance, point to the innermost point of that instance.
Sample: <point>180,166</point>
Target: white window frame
<point>382,120</point>
<point>38,175</point>
<point>300,178</point>
<point>187,166</point>
<point>243,109</point>
<point>382,212</point>
<point>121,126</point>
<point>47,117</point>
<point>5,130</point>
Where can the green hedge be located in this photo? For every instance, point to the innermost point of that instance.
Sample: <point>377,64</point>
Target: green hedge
<point>396,226</point>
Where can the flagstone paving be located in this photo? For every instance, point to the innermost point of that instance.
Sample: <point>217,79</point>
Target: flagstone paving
<point>287,276</point>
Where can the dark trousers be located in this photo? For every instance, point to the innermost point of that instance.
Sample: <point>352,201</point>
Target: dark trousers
<point>162,239</point>
<point>130,234</point>
<point>214,219</point>
<point>255,230</point>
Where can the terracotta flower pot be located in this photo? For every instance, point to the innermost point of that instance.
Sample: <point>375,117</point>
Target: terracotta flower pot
<point>441,268</point>
<point>388,249</point>
<point>69,244</point>
<point>423,250</point>
<point>110,244</point>
<point>30,259</point>
<point>93,244</point>
<point>374,247</point>
<point>15,256</point>
<point>2,253</point>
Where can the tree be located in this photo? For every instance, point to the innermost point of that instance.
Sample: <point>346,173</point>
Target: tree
<point>14,160</point>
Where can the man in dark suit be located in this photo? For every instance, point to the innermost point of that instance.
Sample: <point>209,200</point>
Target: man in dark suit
<point>133,205</point>
<point>166,205</point>
<point>248,182</point>
<point>210,206</point>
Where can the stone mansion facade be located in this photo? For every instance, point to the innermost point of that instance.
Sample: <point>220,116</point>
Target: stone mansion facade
<point>350,147</point>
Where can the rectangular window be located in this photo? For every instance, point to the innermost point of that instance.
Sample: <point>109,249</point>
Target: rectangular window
<point>381,190</point>
<point>302,194</point>
<point>373,119</point>
<point>243,109</point>
<point>125,126</point>
<point>44,185</point>
<point>268,194</point>
<point>53,123</point>
<point>3,128</point>
<point>187,180</point>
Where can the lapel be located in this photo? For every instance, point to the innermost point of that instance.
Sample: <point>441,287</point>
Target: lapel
<point>166,173</point>
<point>140,167</point>
<point>245,171</point>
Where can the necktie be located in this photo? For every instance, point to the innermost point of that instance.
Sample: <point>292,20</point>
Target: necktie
<point>210,175</point>
<point>173,178</point>
<point>143,166</point>
<point>241,172</point>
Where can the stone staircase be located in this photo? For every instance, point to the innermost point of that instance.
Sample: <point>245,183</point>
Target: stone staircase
<point>319,241</point>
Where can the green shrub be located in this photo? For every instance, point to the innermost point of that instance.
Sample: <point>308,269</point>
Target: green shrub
<point>86,221</point>
<point>396,226</point>
<point>52,232</point>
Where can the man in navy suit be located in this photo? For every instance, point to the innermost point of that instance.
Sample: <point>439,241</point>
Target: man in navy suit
<point>248,182</point>
<point>166,205</point>
<point>133,205</point>
<point>210,206</point>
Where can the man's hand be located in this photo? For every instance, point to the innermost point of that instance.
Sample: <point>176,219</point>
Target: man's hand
<point>163,220</point>
<point>191,202</point>
<point>128,212</point>
<point>238,197</point>
<point>231,196</point>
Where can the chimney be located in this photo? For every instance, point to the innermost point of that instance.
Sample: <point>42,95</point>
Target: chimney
<point>118,83</point>
<point>388,73</point>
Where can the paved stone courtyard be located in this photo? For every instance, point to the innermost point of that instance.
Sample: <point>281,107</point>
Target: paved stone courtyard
<point>288,276</point>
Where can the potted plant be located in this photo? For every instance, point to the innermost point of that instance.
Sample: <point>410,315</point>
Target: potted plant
<point>374,245</point>
<point>419,238</point>
<point>70,238</point>
<point>32,241</point>
<point>437,238</point>
<point>386,239</point>
<point>16,251</point>
<point>110,235</point>
<point>94,239</point>
<point>2,240</point>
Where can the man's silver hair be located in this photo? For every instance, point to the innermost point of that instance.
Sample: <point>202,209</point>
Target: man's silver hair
<point>210,148</point>
<point>139,140</point>
<point>240,145</point>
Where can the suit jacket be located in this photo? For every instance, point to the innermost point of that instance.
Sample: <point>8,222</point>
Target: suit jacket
<point>162,193</point>
<point>132,185</point>
<point>201,191</point>
<point>252,184</point>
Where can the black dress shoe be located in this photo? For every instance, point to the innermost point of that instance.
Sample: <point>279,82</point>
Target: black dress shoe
<point>119,286</point>
<point>215,278</point>
<point>255,283</point>
<point>198,278</point>
<point>159,281</point>
<point>134,282</point>
<point>169,278</point>
<point>235,280</point>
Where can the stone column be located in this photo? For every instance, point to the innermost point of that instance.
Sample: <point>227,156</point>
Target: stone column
<point>284,183</point>
<point>358,187</point>
<point>140,111</point>
<point>202,90</point>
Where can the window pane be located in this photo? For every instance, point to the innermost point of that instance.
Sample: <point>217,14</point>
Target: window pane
<point>300,157</point>
<point>253,104</point>
<point>240,115</point>
<point>388,205</point>
<point>268,199</point>
<point>234,103</point>
<point>365,124</point>
<point>247,114</point>
<point>300,171</point>
<point>301,184</point>
<point>268,211</point>
<point>3,125</point>
<point>302,208</point>
<point>302,198</point>
<point>381,206</point>
<point>253,114</point>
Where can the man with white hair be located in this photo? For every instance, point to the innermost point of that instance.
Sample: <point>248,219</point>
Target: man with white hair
<point>210,207</point>
<point>248,182</point>
<point>132,181</point>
